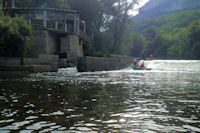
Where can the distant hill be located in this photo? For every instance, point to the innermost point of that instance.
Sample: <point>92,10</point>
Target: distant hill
<point>155,8</point>
<point>166,23</point>
<point>171,36</point>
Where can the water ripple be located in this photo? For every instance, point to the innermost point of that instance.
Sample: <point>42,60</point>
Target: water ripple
<point>127,101</point>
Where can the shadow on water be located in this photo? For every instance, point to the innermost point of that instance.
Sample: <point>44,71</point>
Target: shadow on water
<point>113,101</point>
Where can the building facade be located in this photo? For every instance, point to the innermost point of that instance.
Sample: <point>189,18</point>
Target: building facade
<point>56,32</point>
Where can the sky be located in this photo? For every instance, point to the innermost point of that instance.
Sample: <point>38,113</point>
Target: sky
<point>136,8</point>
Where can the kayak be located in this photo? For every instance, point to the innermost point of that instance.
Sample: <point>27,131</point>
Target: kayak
<point>149,58</point>
<point>138,67</point>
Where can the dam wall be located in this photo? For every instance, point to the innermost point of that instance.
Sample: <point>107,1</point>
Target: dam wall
<point>112,62</point>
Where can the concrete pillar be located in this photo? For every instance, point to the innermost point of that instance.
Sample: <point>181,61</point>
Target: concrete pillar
<point>45,42</point>
<point>66,27</point>
<point>75,23</point>
<point>74,48</point>
<point>63,45</point>
<point>39,43</point>
<point>45,19</point>
<point>51,43</point>
<point>29,22</point>
<point>13,4</point>
<point>56,25</point>
<point>78,24</point>
<point>65,23</point>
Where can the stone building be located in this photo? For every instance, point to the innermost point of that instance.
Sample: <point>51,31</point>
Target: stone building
<point>56,32</point>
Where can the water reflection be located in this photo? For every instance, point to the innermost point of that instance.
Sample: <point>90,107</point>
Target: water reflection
<point>114,101</point>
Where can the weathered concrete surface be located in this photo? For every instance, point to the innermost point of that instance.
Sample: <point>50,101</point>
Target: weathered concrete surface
<point>52,43</point>
<point>46,59</point>
<point>62,63</point>
<point>44,68</point>
<point>67,46</point>
<point>74,49</point>
<point>9,61</point>
<point>113,62</point>
<point>42,60</point>
<point>15,68</point>
<point>44,42</point>
<point>42,64</point>
<point>38,43</point>
<point>32,68</point>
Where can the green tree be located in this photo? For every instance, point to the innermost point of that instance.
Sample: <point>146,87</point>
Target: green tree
<point>150,33</point>
<point>161,44</point>
<point>138,46</point>
<point>149,46</point>
<point>171,36</point>
<point>14,36</point>
<point>117,13</point>
<point>89,10</point>
<point>179,44</point>
<point>194,31</point>
<point>1,8</point>
<point>194,34</point>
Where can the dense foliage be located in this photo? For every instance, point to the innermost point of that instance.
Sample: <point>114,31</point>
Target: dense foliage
<point>173,36</point>
<point>14,35</point>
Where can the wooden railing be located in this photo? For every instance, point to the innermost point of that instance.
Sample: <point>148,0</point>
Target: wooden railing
<point>58,26</point>
<point>36,23</point>
<point>56,20</point>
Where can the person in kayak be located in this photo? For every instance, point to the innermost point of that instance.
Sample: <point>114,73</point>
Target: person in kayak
<point>142,65</point>
<point>136,65</point>
<point>135,62</point>
<point>150,57</point>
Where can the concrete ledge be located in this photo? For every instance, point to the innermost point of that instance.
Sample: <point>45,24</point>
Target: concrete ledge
<point>44,68</point>
<point>63,63</point>
<point>15,68</point>
<point>32,68</point>
<point>113,62</point>
<point>46,63</point>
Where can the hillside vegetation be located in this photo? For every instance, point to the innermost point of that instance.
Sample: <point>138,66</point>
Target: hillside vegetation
<point>156,8</point>
<point>174,36</point>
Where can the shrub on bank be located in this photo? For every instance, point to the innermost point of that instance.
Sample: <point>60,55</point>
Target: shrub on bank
<point>14,36</point>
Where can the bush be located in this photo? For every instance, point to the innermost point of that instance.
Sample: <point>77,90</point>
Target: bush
<point>14,36</point>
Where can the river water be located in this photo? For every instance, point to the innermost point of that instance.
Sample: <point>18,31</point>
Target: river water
<point>165,99</point>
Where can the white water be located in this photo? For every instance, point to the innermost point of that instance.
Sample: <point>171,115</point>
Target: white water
<point>174,65</point>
